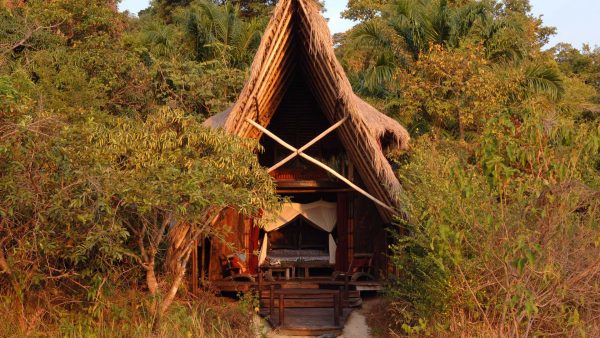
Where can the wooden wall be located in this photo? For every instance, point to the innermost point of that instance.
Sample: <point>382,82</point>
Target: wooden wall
<point>236,236</point>
<point>360,230</point>
<point>370,236</point>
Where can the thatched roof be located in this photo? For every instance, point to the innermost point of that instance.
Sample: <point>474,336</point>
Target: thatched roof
<point>297,38</point>
<point>389,132</point>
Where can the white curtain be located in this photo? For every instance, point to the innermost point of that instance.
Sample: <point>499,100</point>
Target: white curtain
<point>322,214</point>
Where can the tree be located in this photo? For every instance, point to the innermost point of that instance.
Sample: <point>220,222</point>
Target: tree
<point>165,8</point>
<point>456,90</point>
<point>96,175</point>
<point>405,30</point>
<point>584,64</point>
<point>362,10</point>
<point>57,227</point>
<point>220,34</point>
<point>251,8</point>
<point>170,178</point>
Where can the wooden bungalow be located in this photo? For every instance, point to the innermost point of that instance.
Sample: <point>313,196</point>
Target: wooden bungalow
<point>324,147</point>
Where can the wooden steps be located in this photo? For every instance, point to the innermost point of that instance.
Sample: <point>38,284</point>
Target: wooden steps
<point>312,303</point>
<point>306,311</point>
<point>352,299</point>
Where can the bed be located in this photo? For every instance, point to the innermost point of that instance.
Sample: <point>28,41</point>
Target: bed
<point>290,256</point>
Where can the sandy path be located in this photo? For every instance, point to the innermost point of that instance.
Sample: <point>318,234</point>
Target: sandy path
<point>356,327</point>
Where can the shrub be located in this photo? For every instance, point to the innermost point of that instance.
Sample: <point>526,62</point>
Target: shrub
<point>508,255</point>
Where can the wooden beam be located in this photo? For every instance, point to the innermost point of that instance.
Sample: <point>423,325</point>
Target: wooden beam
<point>309,144</point>
<point>321,165</point>
<point>309,184</point>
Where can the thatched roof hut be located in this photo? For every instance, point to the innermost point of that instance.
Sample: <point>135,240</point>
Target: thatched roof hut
<point>297,39</point>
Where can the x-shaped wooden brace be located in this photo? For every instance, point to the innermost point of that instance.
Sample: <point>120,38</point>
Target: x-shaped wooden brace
<point>300,152</point>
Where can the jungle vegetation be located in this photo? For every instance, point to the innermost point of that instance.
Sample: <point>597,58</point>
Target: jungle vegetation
<point>102,146</point>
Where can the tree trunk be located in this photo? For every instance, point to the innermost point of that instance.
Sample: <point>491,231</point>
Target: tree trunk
<point>178,272</point>
<point>178,255</point>
<point>151,281</point>
<point>179,240</point>
<point>170,296</point>
<point>182,237</point>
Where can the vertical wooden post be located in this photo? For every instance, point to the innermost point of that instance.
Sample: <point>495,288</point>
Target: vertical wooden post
<point>271,299</point>
<point>350,226</point>
<point>260,287</point>
<point>203,260</point>
<point>281,310</point>
<point>253,246</point>
<point>195,268</point>
<point>346,279</point>
<point>336,309</point>
<point>341,261</point>
<point>342,299</point>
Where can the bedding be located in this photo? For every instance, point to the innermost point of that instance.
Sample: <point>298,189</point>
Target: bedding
<point>277,257</point>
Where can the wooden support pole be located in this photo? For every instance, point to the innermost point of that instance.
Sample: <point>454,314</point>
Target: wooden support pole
<point>321,165</point>
<point>271,299</point>
<point>195,276</point>
<point>342,300</point>
<point>309,144</point>
<point>281,310</point>
<point>204,268</point>
<point>260,286</point>
<point>336,309</point>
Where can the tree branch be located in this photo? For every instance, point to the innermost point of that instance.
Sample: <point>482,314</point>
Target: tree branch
<point>28,36</point>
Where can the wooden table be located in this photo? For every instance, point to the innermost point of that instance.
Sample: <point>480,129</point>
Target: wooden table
<point>306,294</point>
<point>288,270</point>
<point>306,266</point>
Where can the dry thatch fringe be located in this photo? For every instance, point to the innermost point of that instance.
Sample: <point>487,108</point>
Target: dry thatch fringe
<point>372,129</point>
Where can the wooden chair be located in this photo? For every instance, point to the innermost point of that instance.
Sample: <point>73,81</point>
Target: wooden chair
<point>232,268</point>
<point>360,267</point>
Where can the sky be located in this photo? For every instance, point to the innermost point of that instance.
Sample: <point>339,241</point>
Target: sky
<point>577,21</point>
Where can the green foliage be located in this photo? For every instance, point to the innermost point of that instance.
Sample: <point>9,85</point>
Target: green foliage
<point>97,154</point>
<point>584,64</point>
<point>198,60</point>
<point>451,90</point>
<point>361,10</point>
<point>104,161</point>
<point>251,8</point>
<point>502,181</point>
<point>172,163</point>
<point>126,316</point>
<point>495,246</point>
<point>219,33</point>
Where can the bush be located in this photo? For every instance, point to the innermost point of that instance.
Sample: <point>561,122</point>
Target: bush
<point>517,258</point>
<point>127,315</point>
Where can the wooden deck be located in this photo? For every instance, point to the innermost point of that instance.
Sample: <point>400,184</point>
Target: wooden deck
<point>245,286</point>
<point>304,316</point>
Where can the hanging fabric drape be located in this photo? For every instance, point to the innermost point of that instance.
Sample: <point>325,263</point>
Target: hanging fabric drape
<point>322,214</point>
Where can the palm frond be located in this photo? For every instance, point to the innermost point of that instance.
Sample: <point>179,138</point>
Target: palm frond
<point>372,34</point>
<point>542,79</point>
<point>380,72</point>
